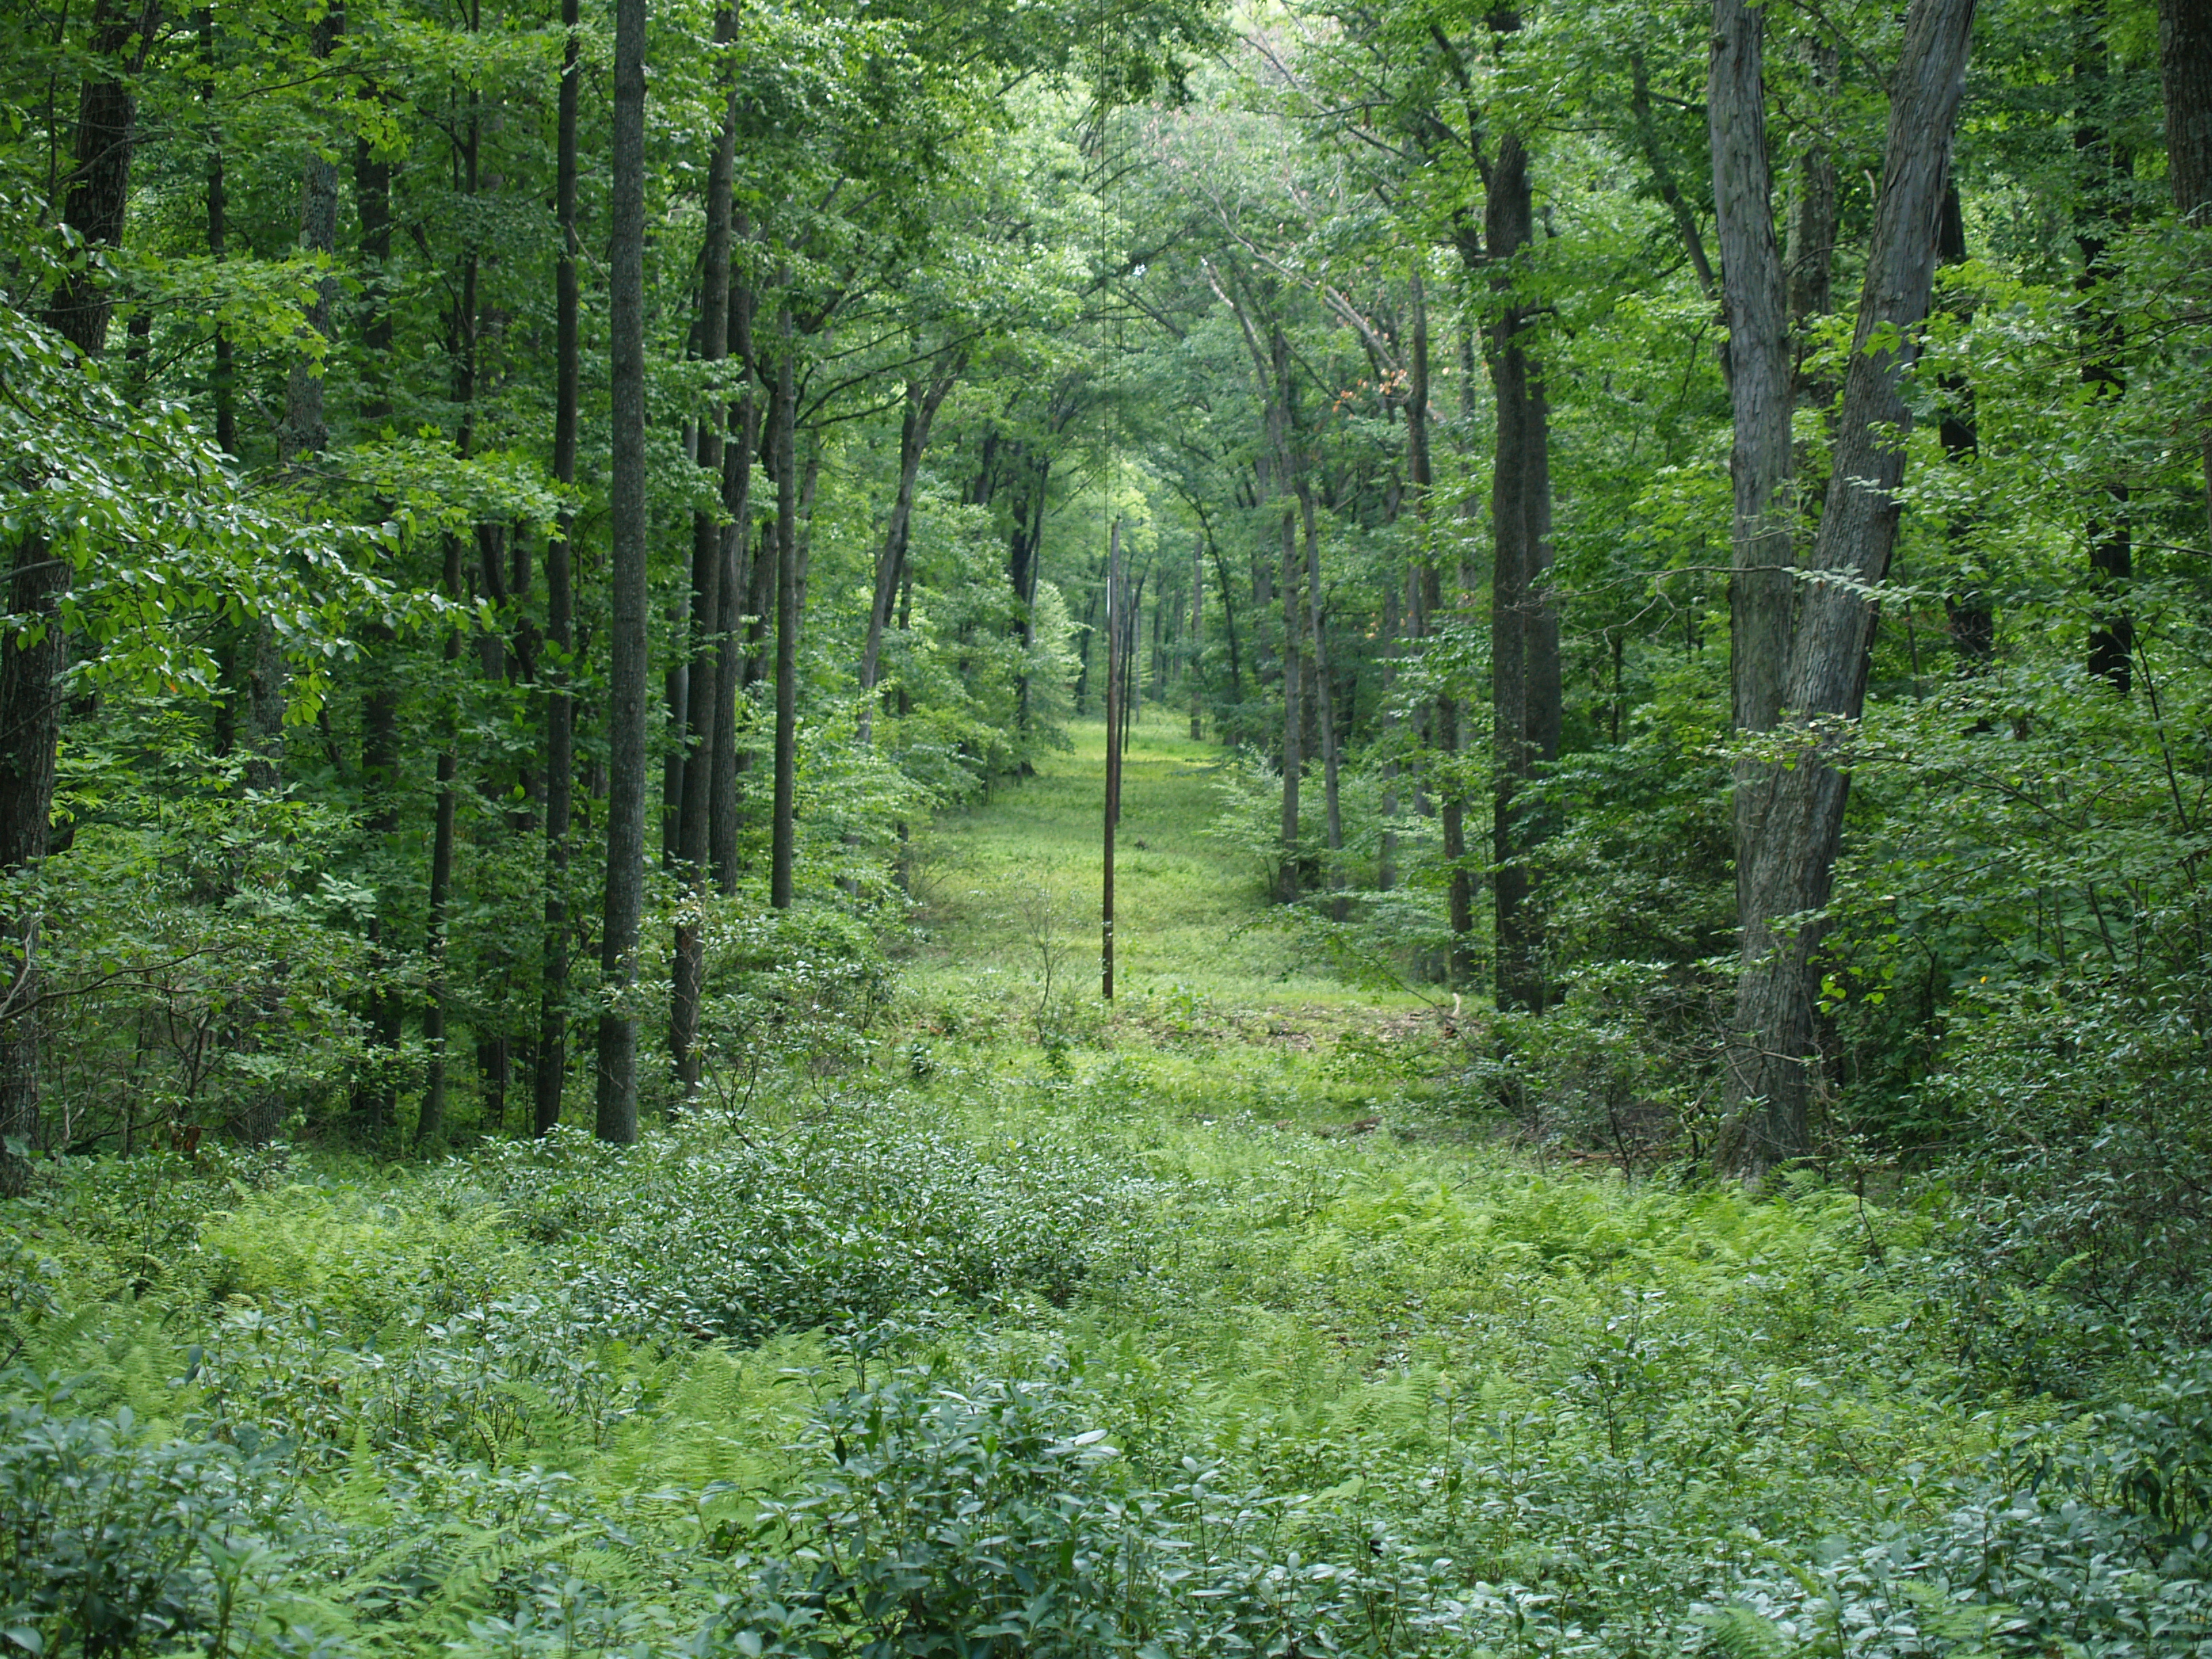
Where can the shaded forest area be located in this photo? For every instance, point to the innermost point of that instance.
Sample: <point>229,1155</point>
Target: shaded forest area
<point>550,549</point>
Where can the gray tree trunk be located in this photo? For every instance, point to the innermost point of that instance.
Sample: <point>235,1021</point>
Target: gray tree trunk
<point>96,196</point>
<point>782,828</point>
<point>1800,805</point>
<point>703,736</point>
<point>560,610</point>
<point>1761,592</point>
<point>306,431</point>
<point>627,666</point>
<point>923,399</point>
<point>1525,687</point>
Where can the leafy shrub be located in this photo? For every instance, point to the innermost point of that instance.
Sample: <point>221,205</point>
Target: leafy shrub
<point>111,1546</point>
<point>855,1216</point>
<point>988,1521</point>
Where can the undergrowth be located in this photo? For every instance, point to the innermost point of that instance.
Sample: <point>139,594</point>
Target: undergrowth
<point>1036,1360</point>
<point>1215,1324</point>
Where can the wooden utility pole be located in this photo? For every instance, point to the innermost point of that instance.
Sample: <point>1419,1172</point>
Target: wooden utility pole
<point>1113,755</point>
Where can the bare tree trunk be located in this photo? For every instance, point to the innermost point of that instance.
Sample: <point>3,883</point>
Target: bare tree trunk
<point>1808,256</point>
<point>1294,760</point>
<point>1524,630</point>
<point>627,671</point>
<point>560,611</point>
<point>1111,812</point>
<point>1324,704</point>
<point>1197,637</point>
<point>2184,55</point>
<point>705,738</point>
<point>222,383</point>
<point>430,1120</point>
<point>1801,803</point>
<point>2101,208</point>
<point>782,829</point>
<point>1762,594</point>
<point>729,648</point>
<point>923,399</point>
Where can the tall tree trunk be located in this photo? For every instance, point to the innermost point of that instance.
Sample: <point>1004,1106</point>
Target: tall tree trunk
<point>729,647</point>
<point>782,828</point>
<point>1324,704</point>
<point>430,1120</point>
<point>559,608</point>
<point>1762,594</point>
<point>380,715</point>
<point>628,668</point>
<point>2102,209</point>
<point>1289,883</point>
<point>462,335</point>
<point>222,382</point>
<point>1801,803</point>
<point>2184,56</point>
<point>1197,637</point>
<point>923,399</point>
<point>701,717</point>
<point>97,195</point>
<point>1524,630</point>
<point>1808,254</point>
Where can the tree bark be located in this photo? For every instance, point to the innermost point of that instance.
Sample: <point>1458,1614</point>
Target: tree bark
<point>782,828</point>
<point>1808,256</point>
<point>2184,56</point>
<point>1294,760</point>
<point>1324,704</point>
<point>1800,805</point>
<point>703,735</point>
<point>627,671</point>
<point>2102,207</point>
<point>430,1120</point>
<point>1968,609</point>
<point>1524,630</point>
<point>1755,296</point>
<point>222,381</point>
<point>552,1070</point>
<point>1197,637</point>
<point>923,399</point>
<point>730,611</point>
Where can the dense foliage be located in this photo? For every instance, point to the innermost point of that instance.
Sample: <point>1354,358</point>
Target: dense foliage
<point>539,537</point>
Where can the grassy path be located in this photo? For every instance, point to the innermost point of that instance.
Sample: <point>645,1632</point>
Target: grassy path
<point>999,881</point>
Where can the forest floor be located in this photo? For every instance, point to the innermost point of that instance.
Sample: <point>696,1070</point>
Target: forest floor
<point>1218,1325</point>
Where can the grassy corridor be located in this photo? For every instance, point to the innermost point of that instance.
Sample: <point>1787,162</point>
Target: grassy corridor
<point>1221,1326</point>
<point>1186,906</point>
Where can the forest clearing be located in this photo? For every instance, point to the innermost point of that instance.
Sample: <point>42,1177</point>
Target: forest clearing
<point>1145,828</point>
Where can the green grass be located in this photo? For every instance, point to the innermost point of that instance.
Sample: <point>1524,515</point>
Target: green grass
<point>1191,916</point>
